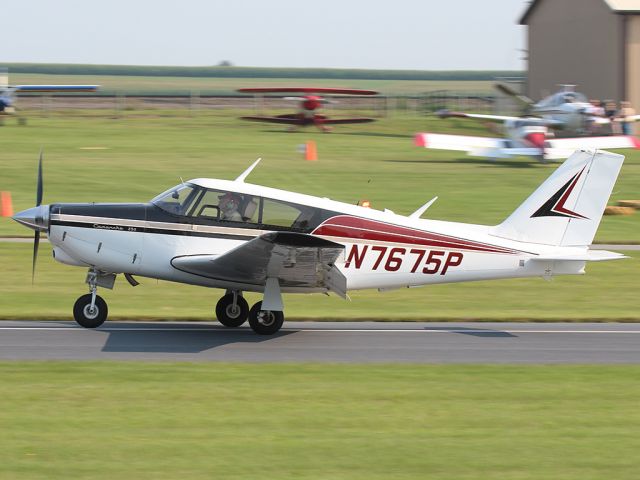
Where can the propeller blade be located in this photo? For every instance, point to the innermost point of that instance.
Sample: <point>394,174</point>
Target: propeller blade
<point>36,243</point>
<point>39,184</point>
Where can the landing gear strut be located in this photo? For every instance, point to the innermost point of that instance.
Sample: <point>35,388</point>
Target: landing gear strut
<point>232,310</point>
<point>90,310</point>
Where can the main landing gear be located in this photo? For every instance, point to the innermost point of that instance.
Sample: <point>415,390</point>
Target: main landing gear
<point>232,310</point>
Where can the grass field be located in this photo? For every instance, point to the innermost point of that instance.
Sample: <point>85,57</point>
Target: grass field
<point>140,85</point>
<point>161,421</point>
<point>135,157</point>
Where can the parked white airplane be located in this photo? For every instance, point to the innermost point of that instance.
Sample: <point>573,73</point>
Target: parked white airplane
<point>8,92</point>
<point>242,237</point>
<point>531,134</point>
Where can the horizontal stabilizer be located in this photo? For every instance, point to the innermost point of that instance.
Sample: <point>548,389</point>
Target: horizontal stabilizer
<point>588,256</point>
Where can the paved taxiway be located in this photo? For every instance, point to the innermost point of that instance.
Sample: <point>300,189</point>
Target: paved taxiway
<point>326,342</point>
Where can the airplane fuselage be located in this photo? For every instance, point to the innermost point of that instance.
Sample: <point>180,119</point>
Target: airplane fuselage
<point>385,252</point>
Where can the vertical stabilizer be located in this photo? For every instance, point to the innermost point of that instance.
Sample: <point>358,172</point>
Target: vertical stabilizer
<point>567,208</point>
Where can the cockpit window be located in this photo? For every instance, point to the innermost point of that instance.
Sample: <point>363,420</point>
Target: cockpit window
<point>176,200</point>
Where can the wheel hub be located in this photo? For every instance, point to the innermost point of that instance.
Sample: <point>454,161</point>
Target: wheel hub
<point>233,311</point>
<point>91,313</point>
<point>266,318</point>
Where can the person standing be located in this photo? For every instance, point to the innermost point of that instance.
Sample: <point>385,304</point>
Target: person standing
<point>626,115</point>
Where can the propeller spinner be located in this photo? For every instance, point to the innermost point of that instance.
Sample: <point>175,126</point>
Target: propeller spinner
<point>36,218</point>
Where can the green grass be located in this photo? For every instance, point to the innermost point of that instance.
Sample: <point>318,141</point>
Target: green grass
<point>608,292</point>
<point>305,421</point>
<point>140,85</point>
<point>145,153</point>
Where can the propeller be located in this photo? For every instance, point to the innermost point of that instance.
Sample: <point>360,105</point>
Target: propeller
<point>36,237</point>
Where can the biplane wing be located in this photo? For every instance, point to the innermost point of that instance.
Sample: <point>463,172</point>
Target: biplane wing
<point>297,120</point>
<point>309,90</point>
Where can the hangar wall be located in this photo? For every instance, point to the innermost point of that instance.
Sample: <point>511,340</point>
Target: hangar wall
<point>633,61</point>
<point>579,43</point>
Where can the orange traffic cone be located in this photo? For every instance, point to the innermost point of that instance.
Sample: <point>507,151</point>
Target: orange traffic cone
<point>6,207</point>
<point>310,152</point>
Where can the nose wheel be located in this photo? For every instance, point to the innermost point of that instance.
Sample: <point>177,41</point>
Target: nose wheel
<point>232,310</point>
<point>265,322</point>
<point>90,310</point>
<point>88,313</point>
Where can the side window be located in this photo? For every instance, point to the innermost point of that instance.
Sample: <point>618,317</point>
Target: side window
<point>226,206</point>
<point>279,214</point>
<point>207,206</point>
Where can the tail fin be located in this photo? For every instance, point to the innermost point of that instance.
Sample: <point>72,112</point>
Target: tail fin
<point>566,209</point>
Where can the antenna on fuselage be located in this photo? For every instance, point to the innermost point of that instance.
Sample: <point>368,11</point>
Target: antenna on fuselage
<point>418,213</point>
<point>246,173</point>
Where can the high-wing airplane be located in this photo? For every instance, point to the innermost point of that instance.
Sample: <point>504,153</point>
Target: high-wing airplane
<point>309,104</point>
<point>566,111</point>
<point>8,92</point>
<point>242,237</point>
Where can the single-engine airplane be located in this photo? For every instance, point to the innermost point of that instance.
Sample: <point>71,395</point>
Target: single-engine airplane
<point>309,104</point>
<point>242,237</point>
<point>567,111</point>
<point>8,92</point>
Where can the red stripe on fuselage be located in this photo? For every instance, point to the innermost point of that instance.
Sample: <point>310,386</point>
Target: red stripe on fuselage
<point>344,226</point>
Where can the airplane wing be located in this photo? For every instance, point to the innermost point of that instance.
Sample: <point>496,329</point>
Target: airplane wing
<point>295,259</point>
<point>342,91</point>
<point>530,121</point>
<point>475,146</point>
<point>594,143</point>
<point>55,88</point>
<point>291,120</point>
<point>338,121</point>
<point>295,120</point>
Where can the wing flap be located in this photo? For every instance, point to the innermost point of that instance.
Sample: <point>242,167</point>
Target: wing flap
<point>295,259</point>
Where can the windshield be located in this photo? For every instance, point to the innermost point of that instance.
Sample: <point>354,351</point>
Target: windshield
<point>177,199</point>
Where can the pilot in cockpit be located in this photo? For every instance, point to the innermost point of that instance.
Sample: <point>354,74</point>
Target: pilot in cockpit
<point>229,204</point>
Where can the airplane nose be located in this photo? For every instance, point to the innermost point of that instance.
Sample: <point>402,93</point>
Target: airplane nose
<point>36,218</point>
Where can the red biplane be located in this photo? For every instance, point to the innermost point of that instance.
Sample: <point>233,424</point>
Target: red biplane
<point>310,103</point>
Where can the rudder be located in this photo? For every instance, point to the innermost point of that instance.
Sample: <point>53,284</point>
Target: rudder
<point>567,208</point>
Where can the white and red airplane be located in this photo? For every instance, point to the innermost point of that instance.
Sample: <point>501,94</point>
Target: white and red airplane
<point>309,105</point>
<point>532,135</point>
<point>242,237</point>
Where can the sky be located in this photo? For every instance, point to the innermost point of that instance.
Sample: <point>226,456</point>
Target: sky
<point>390,34</point>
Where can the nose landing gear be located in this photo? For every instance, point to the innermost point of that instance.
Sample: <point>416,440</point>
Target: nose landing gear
<point>90,310</point>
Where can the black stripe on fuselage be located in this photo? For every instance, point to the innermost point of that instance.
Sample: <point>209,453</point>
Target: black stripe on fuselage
<point>158,231</point>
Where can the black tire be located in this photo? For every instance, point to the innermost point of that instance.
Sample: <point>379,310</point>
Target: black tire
<point>225,314</point>
<point>87,319</point>
<point>265,322</point>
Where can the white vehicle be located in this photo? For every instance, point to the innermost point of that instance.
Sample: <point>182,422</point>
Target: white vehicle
<point>532,134</point>
<point>242,237</point>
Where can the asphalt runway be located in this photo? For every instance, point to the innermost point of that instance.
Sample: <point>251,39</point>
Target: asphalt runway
<point>335,342</point>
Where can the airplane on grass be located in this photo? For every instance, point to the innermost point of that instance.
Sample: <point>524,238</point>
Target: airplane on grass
<point>8,93</point>
<point>309,104</point>
<point>567,111</point>
<point>242,237</point>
